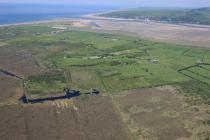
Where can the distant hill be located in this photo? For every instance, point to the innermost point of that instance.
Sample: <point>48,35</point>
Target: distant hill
<point>191,16</point>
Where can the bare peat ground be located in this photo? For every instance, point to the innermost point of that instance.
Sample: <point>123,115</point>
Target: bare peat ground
<point>10,89</point>
<point>19,64</point>
<point>85,118</point>
<point>162,114</point>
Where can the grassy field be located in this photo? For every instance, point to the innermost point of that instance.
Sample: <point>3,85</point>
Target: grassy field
<point>47,84</point>
<point>108,62</point>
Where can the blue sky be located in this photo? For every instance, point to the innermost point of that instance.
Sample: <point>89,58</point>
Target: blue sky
<point>124,3</point>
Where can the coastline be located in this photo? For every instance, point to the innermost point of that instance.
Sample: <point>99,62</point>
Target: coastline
<point>95,17</point>
<point>183,34</point>
<point>41,21</point>
<point>92,16</point>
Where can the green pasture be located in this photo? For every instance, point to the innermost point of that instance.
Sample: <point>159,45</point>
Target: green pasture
<point>200,73</point>
<point>48,84</point>
<point>108,62</point>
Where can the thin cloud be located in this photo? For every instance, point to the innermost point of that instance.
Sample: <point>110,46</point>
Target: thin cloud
<point>148,3</point>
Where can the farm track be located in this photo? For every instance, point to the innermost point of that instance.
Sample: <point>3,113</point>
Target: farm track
<point>116,107</point>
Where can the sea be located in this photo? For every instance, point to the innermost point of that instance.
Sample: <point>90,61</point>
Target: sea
<point>22,13</point>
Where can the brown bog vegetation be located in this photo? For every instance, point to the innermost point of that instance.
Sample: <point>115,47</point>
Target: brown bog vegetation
<point>85,118</point>
<point>162,113</point>
<point>11,89</point>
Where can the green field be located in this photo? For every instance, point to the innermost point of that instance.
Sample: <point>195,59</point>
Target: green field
<point>198,72</point>
<point>108,62</point>
<point>48,84</point>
